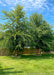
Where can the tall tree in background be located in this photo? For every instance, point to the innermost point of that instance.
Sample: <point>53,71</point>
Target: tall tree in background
<point>15,29</point>
<point>41,32</point>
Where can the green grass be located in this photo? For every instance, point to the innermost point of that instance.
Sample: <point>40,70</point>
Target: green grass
<point>27,65</point>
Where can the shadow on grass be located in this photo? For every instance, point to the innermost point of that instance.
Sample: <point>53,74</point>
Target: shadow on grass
<point>34,57</point>
<point>7,71</point>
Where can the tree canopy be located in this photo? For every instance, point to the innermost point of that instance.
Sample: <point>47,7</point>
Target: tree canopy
<point>42,32</point>
<point>19,31</point>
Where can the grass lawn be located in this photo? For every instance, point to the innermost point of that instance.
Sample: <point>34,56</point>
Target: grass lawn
<point>27,65</point>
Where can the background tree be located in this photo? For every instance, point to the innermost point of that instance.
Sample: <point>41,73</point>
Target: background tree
<point>15,29</point>
<point>41,32</point>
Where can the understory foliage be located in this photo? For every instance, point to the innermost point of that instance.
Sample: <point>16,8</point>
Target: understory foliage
<point>19,31</point>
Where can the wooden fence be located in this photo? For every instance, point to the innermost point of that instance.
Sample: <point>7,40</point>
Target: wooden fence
<point>34,51</point>
<point>31,51</point>
<point>4,52</point>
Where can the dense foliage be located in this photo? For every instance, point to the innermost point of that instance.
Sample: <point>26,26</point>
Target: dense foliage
<point>42,32</point>
<point>18,31</point>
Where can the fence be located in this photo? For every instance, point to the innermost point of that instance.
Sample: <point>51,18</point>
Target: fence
<point>4,52</point>
<point>31,51</point>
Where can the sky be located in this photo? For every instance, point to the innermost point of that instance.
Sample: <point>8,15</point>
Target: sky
<point>44,7</point>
